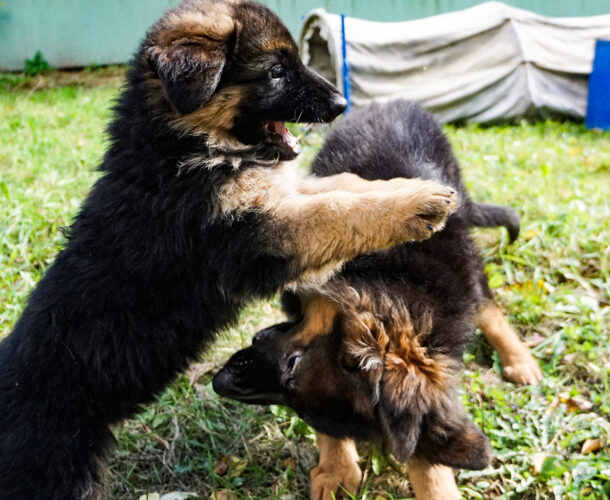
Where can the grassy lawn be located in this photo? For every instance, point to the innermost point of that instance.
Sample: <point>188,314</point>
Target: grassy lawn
<point>553,283</point>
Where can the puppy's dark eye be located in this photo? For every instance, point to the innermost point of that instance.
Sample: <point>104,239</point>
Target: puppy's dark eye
<point>277,71</point>
<point>293,362</point>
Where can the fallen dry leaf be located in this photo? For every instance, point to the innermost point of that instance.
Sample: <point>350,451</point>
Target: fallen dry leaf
<point>591,445</point>
<point>233,466</point>
<point>572,402</point>
<point>537,461</point>
<point>290,463</point>
<point>221,466</point>
<point>223,495</point>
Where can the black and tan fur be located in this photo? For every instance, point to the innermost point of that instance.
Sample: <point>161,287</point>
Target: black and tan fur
<point>374,352</point>
<point>193,216</point>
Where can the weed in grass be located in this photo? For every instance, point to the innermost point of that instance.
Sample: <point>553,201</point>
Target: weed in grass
<point>36,65</point>
<point>553,283</point>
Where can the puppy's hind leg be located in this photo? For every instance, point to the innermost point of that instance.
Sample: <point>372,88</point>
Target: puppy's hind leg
<point>432,482</point>
<point>338,470</point>
<point>518,364</point>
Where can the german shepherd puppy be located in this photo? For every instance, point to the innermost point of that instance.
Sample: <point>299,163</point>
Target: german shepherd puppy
<point>374,352</point>
<point>193,216</point>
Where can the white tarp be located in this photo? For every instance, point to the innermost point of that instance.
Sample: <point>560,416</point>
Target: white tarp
<point>487,63</point>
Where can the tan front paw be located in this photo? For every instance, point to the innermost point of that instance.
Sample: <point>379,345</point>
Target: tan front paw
<point>325,482</point>
<point>427,206</point>
<point>521,368</point>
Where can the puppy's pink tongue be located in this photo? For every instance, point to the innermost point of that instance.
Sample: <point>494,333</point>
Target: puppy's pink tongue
<point>293,142</point>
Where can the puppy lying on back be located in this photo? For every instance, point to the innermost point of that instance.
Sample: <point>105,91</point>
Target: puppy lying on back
<point>374,353</point>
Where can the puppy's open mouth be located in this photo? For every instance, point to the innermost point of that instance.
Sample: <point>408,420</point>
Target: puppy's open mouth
<point>228,385</point>
<point>279,134</point>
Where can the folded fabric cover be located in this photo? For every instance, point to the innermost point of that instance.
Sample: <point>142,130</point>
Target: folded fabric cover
<point>488,63</point>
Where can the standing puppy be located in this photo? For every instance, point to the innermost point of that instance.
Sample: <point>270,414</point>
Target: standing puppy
<point>193,216</point>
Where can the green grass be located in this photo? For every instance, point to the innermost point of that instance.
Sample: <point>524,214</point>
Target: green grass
<point>552,282</point>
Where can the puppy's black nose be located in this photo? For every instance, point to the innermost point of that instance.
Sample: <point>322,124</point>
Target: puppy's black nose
<point>222,383</point>
<point>338,104</point>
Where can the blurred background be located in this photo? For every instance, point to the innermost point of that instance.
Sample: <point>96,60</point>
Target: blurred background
<point>72,33</point>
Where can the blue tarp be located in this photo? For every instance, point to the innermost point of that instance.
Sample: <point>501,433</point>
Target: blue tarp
<point>598,104</point>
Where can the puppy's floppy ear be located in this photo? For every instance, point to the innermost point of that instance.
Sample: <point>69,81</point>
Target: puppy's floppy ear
<point>399,411</point>
<point>421,415</point>
<point>397,380</point>
<point>412,385</point>
<point>400,428</point>
<point>190,63</point>
<point>448,437</point>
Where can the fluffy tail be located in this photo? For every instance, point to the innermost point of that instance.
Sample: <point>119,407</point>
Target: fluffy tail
<point>483,215</point>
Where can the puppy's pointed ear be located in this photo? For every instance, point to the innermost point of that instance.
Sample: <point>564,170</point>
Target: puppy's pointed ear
<point>190,62</point>
<point>449,437</point>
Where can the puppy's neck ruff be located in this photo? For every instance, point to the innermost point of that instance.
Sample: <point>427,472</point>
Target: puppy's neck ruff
<point>222,149</point>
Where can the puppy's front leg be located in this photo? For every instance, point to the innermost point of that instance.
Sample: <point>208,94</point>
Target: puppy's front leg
<point>329,228</point>
<point>317,232</point>
<point>337,470</point>
<point>347,181</point>
<point>432,482</point>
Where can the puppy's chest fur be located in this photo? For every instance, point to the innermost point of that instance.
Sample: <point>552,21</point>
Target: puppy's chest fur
<point>257,188</point>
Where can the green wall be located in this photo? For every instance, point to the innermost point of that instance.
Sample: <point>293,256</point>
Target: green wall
<point>74,32</point>
<point>81,32</point>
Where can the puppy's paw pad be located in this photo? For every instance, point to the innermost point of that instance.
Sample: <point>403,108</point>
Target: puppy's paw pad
<point>522,369</point>
<point>430,210</point>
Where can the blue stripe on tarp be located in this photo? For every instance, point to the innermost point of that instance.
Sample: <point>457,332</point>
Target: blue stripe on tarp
<point>598,100</point>
<point>345,67</point>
